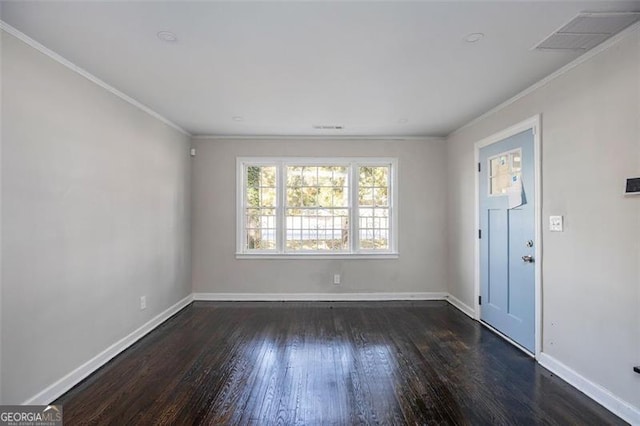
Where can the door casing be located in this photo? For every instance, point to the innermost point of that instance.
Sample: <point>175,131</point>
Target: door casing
<point>533,123</point>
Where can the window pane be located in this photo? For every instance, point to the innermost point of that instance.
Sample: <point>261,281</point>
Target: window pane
<point>294,196</point>
<point>261,228</point>
<point>516,164</point>
<point>261,186</point>
<point>365,195</point>
<point>268,176</point>
<point>314,229</point>
<point>325,175</point>
<point>294,176</point>
<point>380,197</point>
<point>309,196</point>
<point>309,176</point>
<point>503,168</point>
<point>499,165</point>
<point>339,176</point>
<point>340,196</point>
<point>260,213</point>
<point>253,197</point>
<point>253,176</point>
<point>373,200</point>
<point>267,197</point>
<point>316,214</point>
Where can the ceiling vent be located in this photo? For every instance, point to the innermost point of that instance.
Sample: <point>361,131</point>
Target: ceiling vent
<point>587,30</point>
<point>327,127</point>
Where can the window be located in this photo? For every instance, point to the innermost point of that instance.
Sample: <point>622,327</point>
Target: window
<point>504,170</point>
<point>316,207</point>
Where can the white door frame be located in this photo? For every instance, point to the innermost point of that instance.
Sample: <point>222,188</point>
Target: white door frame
<point>533,123</point>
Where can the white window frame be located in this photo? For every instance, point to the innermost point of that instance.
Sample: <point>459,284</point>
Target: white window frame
<point>281,163</point>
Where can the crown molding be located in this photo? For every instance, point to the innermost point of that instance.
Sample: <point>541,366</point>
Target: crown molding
<point>571,65</point>
<point>318,137</point>
<point>73,67</point>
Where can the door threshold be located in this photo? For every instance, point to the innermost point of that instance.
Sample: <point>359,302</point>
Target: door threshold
<point>508,339</point>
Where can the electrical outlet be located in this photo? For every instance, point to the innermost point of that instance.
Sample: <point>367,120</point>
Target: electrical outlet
<point>556,224</point>
<point>143,303</point>
<point>336,279</point>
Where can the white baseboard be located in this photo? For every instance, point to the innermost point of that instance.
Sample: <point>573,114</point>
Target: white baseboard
<point>463,307</point>
<point>55,390</point>
<point>621,408</point>
<point>604,397</point>
<point>324,297</point>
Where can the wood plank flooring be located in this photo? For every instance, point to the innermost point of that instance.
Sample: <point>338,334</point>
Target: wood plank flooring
<point>337,363</point>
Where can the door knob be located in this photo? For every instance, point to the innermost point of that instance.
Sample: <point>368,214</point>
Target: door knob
<point>527,259</point>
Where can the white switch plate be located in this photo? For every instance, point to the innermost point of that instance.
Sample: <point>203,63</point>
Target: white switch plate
<point>143,303</point>
<point>336,279</point>
<point>556,224</point>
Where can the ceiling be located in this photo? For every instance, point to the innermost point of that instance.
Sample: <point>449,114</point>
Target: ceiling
<point>279,68</point>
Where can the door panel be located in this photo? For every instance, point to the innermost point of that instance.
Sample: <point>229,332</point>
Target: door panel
<point>496,236</point>
<point>507,282</point>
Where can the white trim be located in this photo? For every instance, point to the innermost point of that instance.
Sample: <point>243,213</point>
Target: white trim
<point>461,306</point>
<point>579,60</point>
<point>354,209</point>
<point>535,124</point>
<point>323,297</point>
<point>281,163</point>
<point>317,256</point>
<point>56,389</point>
<point>73,67</point>
<point>281,220</point>
<point>317,161</point>
<point>240,195</point>
<point>596,392</point>
<point>312,138</point>
<point>537,252</point>
<point>623,409</point>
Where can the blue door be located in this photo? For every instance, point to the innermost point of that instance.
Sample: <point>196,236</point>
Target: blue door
<point>507,238</point>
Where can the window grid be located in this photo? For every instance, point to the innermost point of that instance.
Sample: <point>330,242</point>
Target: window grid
<point>329,233</point>
<point>322,208</point>
<point>373,211</point>
<point>260,207</point>
<point>317,208</point>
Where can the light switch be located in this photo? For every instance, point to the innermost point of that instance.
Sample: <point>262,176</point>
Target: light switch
<point>556,224</point>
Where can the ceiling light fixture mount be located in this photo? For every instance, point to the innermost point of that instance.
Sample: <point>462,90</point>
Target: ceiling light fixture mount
<point>238,118</point>
<point>474,37</point>
<point>167,36</point>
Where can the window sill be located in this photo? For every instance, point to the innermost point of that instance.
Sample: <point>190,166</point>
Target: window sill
<point>314,256</point>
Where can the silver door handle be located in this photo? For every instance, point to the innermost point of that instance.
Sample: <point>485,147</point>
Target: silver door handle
<point>527,259</point>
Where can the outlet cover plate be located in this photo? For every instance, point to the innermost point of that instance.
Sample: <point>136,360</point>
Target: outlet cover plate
<point>556,223</point>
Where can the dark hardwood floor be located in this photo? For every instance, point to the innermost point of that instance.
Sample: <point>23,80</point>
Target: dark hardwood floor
<point>336,363</point>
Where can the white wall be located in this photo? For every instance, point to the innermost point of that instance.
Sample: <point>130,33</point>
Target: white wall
<point>95,213</point>
<point>421,266</point>
<point>591,272</point>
